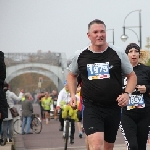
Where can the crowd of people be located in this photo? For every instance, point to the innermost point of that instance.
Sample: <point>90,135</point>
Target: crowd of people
<point>108,86</point>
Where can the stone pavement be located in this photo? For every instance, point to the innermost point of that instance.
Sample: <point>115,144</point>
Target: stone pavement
<point>51,139</point>
<point>6,147</point>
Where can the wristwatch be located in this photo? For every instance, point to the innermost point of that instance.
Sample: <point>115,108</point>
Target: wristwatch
<point>128,93</point>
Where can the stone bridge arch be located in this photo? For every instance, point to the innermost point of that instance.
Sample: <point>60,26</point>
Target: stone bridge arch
<point>56,74</point>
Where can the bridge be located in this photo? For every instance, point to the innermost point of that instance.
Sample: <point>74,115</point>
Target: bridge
<point>51,65</point>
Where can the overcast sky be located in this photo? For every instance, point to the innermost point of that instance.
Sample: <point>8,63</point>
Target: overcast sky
<point>61,25</point>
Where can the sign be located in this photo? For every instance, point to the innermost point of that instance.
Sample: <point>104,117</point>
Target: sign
<point>39,84</point>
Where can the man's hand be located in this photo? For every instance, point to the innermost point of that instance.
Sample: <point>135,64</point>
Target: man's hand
<point>141,88</point>
<point>123,99</point>
<point>73,102</point>
<point>58,108</point>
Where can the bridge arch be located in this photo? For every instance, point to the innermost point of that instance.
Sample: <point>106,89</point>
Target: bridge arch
<point>52,72</point>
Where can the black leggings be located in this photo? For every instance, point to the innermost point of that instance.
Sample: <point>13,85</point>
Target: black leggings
<point>135,127</point>
<point>61,120</point>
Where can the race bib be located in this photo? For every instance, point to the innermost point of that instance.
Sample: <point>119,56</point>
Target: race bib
<point>98,71</point>
<point>136,101</point>
<point>55,102</point>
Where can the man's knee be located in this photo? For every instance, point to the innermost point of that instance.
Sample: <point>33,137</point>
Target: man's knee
<point>96,141</point>
<point>108,146</point>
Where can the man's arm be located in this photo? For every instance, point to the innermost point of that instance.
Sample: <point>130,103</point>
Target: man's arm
<point>59,99</point>
<point>72,83</point>
<point>15,97</point>
<point>131,82</point>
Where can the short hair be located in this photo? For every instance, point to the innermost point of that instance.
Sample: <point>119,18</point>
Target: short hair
<point>96,21</point>
<point>27,95</point>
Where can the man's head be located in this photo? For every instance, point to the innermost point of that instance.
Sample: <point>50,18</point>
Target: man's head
<point>97,32</point>
<point>46,94</point>
<point>66,85</point>
<point>27,96</point>
<point>54,92</point>
<point>22,90</point>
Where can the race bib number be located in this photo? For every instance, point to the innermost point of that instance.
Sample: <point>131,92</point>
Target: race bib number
<point>98,71</point>
<point>136,101</point>
<point>55,102</point>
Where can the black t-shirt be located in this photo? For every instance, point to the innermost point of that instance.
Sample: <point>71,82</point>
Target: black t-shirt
<point>54,97</point>
<point>101,74</point>
<point>143,78</point>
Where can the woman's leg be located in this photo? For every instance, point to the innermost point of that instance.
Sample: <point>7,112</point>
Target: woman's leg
<point>143,131</point>
<point>128,128</point>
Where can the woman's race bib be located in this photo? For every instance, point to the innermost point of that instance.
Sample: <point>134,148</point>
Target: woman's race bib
<point>136,101</point>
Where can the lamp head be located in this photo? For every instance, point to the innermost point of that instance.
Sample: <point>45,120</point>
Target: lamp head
<point>124,37</point>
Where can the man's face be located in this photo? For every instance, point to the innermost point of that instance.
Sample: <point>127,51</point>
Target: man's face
<point>46,94</point>
<point>97,34</point>
<point>54,92</point>
<point>66,87</point>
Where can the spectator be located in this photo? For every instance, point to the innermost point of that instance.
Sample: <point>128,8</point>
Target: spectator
<point>27,110</point>
<point>3,102</point>
<point>7,125</point>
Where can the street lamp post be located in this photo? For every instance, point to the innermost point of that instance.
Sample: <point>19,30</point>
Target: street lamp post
<point>112,35</point>
<point>124,37</point>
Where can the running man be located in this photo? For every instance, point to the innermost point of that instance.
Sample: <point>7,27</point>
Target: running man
<point>101,66</point>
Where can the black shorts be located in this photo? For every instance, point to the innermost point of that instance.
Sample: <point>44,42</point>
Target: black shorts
<point>47,111</point>
<point>79,115</point>
<point>102,119</point>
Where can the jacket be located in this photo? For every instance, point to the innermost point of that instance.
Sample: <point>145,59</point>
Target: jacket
<point>10,96</point>
<point>27,108</point>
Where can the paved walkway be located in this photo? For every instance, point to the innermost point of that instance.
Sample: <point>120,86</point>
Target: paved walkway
<point>6,147</point>
<point>51,139</point>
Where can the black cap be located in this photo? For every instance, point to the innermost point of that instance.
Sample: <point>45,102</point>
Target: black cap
<point>130,46</point>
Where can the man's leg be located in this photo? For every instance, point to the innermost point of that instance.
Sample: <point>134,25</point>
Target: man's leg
<point>94,127</point>
<point>28,124</point>
<point>111,126</point>
<point>96,141</point>
<point>72,131</point>
<point>108,146</point>
<point>86,143</point>
<point>61,120</point>
<point>24,119</point>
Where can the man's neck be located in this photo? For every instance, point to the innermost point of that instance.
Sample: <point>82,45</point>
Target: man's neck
<point>100,48</point>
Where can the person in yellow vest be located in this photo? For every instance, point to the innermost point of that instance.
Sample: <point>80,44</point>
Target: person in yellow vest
<point>46,103</point>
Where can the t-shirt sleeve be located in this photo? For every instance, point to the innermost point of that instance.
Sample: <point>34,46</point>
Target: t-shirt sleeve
<point>60,95</point>
<point>125,64</point>
<point>73,67</point>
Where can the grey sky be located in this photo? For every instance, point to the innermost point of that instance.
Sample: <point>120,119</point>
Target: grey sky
<point>61,25</point>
